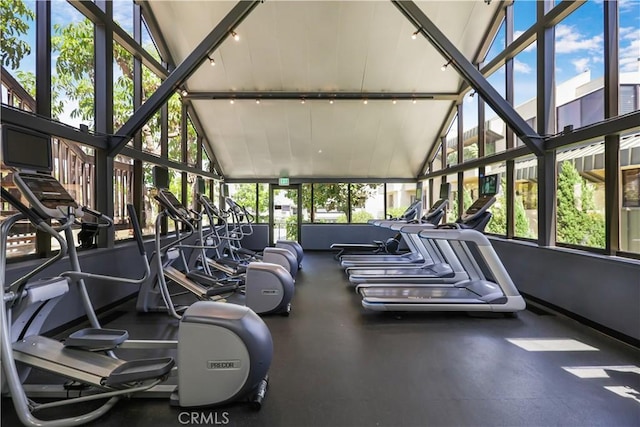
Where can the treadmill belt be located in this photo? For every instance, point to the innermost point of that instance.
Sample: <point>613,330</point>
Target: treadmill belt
<point>419,295</point>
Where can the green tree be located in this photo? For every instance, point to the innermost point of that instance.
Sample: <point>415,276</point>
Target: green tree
<point>14,17</point>
<point>335,197</point>
<point>577,221</point>
<point>452,213</point>
<point>498,223</point>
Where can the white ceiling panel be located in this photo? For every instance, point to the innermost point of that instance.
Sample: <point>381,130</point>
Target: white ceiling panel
<point>324,46</point>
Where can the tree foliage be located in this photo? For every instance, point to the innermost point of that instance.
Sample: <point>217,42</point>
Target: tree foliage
<point>577,220</point>
<point>14,17</point>
<point>498,223</point>
<point>335,197</point>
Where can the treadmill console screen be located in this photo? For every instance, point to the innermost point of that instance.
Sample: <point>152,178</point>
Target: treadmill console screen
<point>489,185</point>
<point>200,186</point>
<point>24,149</point>
<point>438,205</point>
<point>445,189</point>
<point>45,194</point>
<point>160,177</point>
<point>169,201</point>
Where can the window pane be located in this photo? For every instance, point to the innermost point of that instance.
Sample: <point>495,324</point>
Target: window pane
<point>22,236</point>
<point>580,65</point>
<point>73,69</point>
<point>580,198</point>
<point>452,143</point>
<point>524,16</point>
<point>175,185</point>
<point>498,222</point>
<point>399,197</point>
<point>306,202</point>
<point>470,126</point>
<point>123,15</point>
<point>147,42</point>
<point>122,195</point>
<point>526,198</point>
<point>630,181</point>
<point>244,195</point>
<point>367,202</point>
<point>495,128</point>
<point>453,212</point>
<point>263,204</point>
<point>175,114</point>
<point>19,53</point>
<point>192,144</point>
<point>330,202</point>
<point>629,40</point>
<point>122,86</point>
<point>437,160</point>
<point>470,188</point>
<point>498,45</point>
<point>151,209</point>
<point>525,86</point>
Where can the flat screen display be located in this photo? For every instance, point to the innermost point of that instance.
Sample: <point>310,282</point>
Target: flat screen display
<point>160,177</point>
<point>489,185</point>
<point>26,149</point>
<point>200,186</point>
<point>445,187</point>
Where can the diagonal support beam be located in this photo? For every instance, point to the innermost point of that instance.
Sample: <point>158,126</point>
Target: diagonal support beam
<point>466,69</point>
<point>182,72</point>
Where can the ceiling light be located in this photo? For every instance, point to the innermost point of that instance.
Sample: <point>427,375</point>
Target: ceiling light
<point>257,101</point>
<point>235,36</point>
<point>319,151</point>
<point>471,95</point>
<point>212,61</point>
<point>365,102</point>
<point>184,92</point>
<point>302,101</point>
<point>394,102</point>
<point>414,101</point>
<point>415,35</point>
<point>444,66</point>
<point>331,101</point>
<point>231,101</point>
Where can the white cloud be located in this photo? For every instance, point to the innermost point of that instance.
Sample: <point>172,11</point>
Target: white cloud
<point>521,67</point>
<point>630,56</point>
<point>580,64</point>
<point>570,40</point>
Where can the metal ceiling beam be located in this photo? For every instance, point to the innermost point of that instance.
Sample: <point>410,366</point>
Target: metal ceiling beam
<point>161,161</point>
<point>469,72</point>
<point>311,96</point>
<point>182,72</point>
<point>615,126</point>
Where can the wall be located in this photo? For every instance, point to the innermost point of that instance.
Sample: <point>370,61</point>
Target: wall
<point>602,289</point>
<point>322,236</point>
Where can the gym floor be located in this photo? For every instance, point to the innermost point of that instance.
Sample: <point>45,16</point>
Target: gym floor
<point>337,365</point>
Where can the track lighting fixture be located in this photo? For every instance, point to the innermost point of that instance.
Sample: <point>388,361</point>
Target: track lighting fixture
<point>302,101</point>
<point>235,36</point>
<point>231,101</point>
<point>257,101</point>
<point>444,66</point>
<point>415,35</point>
<point>394,102</point>
<point>365,101</point>
<point>184,92</point>
<point>212,61</point>
<point>331,101</point>
<point>414,101</point>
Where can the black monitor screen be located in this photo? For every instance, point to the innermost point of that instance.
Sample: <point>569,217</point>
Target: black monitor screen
<point>160,177</point>
<point>200,186</point>
<point>445,188</point>
<point>26,149</point>
<point>489,185</point>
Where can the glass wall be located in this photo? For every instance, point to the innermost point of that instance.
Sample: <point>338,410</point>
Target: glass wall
<point>73,68</point>
<point>498,223</point>
<point>399,197</point>
<point>580,195</point>
<point>122,86</point>
<point>367,202</point>
<point>452,143</point>
<point>629,39</point>
<point>526,197</point>
<point>330,203</point>
<point>122,195</point>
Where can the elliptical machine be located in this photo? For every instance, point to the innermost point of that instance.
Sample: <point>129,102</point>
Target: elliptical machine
<point>224,351</point>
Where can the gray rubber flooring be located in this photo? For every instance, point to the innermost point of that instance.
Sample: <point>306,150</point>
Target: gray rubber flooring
<point>338,365</point>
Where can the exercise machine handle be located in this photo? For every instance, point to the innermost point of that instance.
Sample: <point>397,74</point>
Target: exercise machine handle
<point>137,232</point>
<point>29,213</point>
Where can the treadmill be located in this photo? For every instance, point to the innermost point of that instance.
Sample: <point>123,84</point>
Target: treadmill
<point>487,288</point>
<point>416,255</point>
<point>443,263</point>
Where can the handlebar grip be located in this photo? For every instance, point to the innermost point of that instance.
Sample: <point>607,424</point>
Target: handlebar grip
<point>92,212</point>
<point>29,213</point>
<point>137,232</point>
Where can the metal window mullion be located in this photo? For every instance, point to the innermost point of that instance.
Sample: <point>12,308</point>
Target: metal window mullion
<point>611,142</point>
<point>43,92</point>
<point>138,171</point>
<point>545,113</point>
<point>348,203</point>
<point>103,51</point>
<point>183,150</point>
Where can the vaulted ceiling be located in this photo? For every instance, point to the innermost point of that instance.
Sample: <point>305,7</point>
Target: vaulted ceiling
<point>328,47</point>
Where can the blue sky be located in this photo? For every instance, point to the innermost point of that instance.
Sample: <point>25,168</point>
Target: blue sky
<point>579,42</point>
